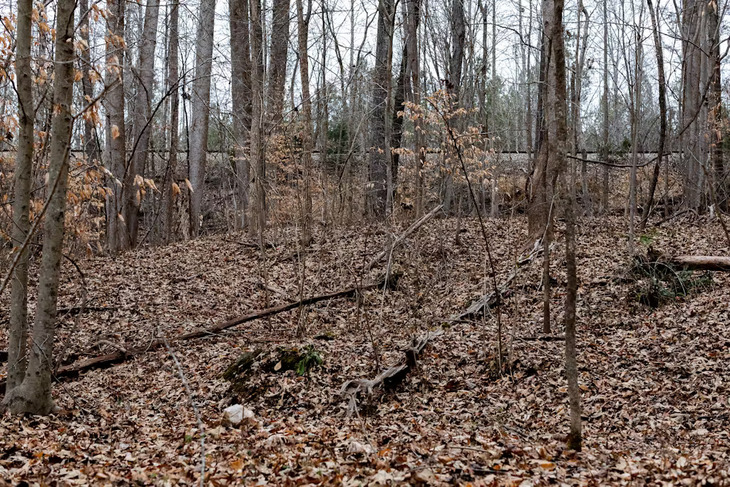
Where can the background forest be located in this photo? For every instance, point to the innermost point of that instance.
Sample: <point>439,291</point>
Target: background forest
<point>469,241</point>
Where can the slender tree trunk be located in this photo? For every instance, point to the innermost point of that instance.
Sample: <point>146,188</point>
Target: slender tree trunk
<point>141,117</point>
<point>241,101</point>
<point>18,331</point>
<point>91,144</point>
<point>377,191</point>
<point>201,112</point>
<point>307,139</point>
<point>484,71</point>
<point>716,119</point>
<point>656,33</point>
<point>115,126</point>
<point>413,12</point>
<point>550,160</point>
<point>691,99</point>
<point>580,53</point>
<point>323,111</point>
<point>604,109</point>
<point>402,93</point>
<point>559,144</point>
<point>33,395</point>
<point>458,35</point>
<point>278,53</point>
<point>258,161</point>
<point>170,188</point>
<point>543,175</point>
<point>635,114</point>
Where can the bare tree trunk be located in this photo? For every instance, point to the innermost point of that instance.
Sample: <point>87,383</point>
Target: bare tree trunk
<point>402,93</point>
<point>691,96</point>
<point>307,142</point>
<point>377,191</point>
<point>656,33</point>
<point>581,46</point>
<point>241,102</point>
<point>559,144</point>
<point>258,161</point>
<point>91,144</point>
<point>458,34</point>
<point>33,395</point>
<point>18,331</point>
<point>635,115</point>
<point>278,53</point>
<point>604,109</point>
<point>201,111</point>
<point>141,116</point>
<point>484,71</point>
<point>323,112</point>
<point>716,119</point>
<point>115,126</point>
<point>544,172</point>
<point>173,76</point>
<point>413,12</point>
<point>527,56</point>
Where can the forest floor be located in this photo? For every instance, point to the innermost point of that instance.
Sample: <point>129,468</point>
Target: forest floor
<point>655,381</point>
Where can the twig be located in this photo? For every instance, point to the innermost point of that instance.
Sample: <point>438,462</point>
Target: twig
<point>488,248</point>
<point>402,237</point>
<point>201,428</point>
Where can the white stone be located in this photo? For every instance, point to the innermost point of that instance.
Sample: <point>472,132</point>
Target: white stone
<point>360,448</point>
<point>233,414</point>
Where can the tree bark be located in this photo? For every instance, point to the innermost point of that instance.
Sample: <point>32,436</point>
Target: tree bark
<point>691,99</point>
<point>560,143</point>
<point>141,117</point>
<point>413,13</point>
<point>33,395</point>
<point>115,126</point>
<point>635,110</point>
<point>377,191</point>
<point>458,34</point>
<point>716,117</point>
<point>278,58</point>
<point>257,158</point>
<point>604,109</point>
<point>402,93</point>
<point>307,136</point>
<point>91,143</point>
<point>200,112</point>
<point>241,102</point>
<point>656,34</point>
<point>169,185</point>
<point>18,331</point>
<point>541,184</point>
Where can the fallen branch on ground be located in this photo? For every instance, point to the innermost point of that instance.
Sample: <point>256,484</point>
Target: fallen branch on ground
<point>390,377</point>
<point>415,226</point>
<point>122,355</point>
<point>489,300</point>
<point>701,262</point>
<point>74,310</point>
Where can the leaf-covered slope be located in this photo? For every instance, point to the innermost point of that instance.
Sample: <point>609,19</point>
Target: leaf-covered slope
<point>654,381</point>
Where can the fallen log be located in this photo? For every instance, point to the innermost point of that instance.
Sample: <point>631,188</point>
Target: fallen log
<point>414,226</point>
<point>701,262</point>
<point>390,377</point>
<point>122,354</point>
